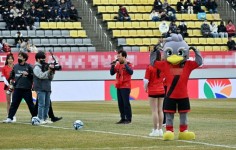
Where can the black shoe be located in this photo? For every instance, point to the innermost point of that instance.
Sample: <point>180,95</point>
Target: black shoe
<point>121,122</point>
<point>55,119</point>
<point>127,122</point>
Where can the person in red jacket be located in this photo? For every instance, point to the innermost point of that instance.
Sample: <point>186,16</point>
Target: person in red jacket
<point>6,70</point>
<point>230,28</point>
<point>153,84</point>
<point>123,70</point>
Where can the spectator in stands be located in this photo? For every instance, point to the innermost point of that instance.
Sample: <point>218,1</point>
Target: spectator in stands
<point>205,29</point>
<point>64,15</point>
<point>27,5</point>
<point>73,13</point>
<point>19,4</point>
<point>180,7</point>
<point>18,39</point>
<point>165,4</point>
<point>45,5</point>
<point>5,14</point>
<point>123,14</point>
<point>19,22</point>
<point>14,11</point>
<point>212,6</point>
<point>9,4</point>
<point>164,28</point>
<point>188,5</point>
<point>33,13</point>
<point>183,29</point>
<point>56,14</point>
<point>222,30</point>
<point>37,4</point>
<point>25,45</point>
<point>41,15</point>
<point>197,6</point>
<point>29,22</point>
<point>231,44</point>
<point>157,5</point>
<point>230,28</point>
<point>154,16</point>
<point>171,13</point>
<point>172,28</point>
<point>63,5</point>
<point>54,4</point>
<point>163,15</point>
<point>214,29</point>
<point>10,22</point>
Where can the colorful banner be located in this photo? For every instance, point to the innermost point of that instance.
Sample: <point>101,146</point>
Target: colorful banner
<point>101,60</point>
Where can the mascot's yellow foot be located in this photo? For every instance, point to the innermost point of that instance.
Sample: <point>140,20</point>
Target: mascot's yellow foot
<point>168,135</point>
<point>186,135</point>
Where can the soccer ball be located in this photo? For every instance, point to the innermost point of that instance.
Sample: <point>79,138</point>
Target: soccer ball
<point>35,121</point>
<point>78,124</point>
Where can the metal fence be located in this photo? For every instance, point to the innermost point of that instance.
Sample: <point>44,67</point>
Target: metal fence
<point>227,10</point>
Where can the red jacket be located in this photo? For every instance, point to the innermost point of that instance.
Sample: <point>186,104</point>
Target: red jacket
<point>155,84</point>
<point>6,70</point>
<point>230,28</point>
<point>123,74</point>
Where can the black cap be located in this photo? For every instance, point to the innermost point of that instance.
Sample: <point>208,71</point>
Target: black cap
<point>40,55</point>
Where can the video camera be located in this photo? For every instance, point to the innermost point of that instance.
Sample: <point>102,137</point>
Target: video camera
<point>56,65</point>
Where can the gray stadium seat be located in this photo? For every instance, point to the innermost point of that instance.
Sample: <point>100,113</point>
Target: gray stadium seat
<point>121,41</point>
<point>56,33</point>
<point>24,33</point>
<point>83,49</point>
<point>91,49</point>
<point>78,41</point>
<point>2,25</point>
<point>66,49</point>
<point>6,33</point>
<point>53,42</point>
<point>48,33</point>
<point>10,41</point>
<point>14,49</point>
<point>36,24</point>
<point>135,49</point>
<point>39,33</point>
<point>31,33</point>
<point>127,48</point>
<point>36,42</point>
<point>74,49</point>
<point>61,42</point>
<point>48,48</point>
<point>87,41</point>
<point>70,41</point>
<point>57,49</point>
<point>45,42</point>
<point>65,33</point>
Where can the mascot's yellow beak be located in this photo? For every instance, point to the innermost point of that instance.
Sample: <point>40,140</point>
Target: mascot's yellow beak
<point>175,59</point>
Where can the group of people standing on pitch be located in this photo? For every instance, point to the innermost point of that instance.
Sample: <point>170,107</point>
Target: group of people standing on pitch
<point>153,84</point>
<point>20,78</point>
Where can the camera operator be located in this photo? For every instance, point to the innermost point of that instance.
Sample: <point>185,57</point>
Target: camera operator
<point>22,74</point>
<point>43,75</point>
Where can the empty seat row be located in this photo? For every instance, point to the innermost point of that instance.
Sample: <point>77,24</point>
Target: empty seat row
<point>201,48</point>
<point>62,49</point>
<point>44,33</point>
<point>60,25</point>
<point>153,41</point>
<point>130,9</point>
<point>146,16</point>
<point>56,42</point>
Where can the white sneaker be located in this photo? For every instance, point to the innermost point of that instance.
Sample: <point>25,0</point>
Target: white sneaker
<point>160,132</point>
<point>164,125</point>
<point>43,122</point>
<point>14,119</point>
<point>154,132</point>
<point>48,121</point>
<point>8,120</point>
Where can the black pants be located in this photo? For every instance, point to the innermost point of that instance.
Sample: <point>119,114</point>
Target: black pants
<point>50,112</point>
<point>164,119</point>
<point>124,104</point>
<point>18,94</point>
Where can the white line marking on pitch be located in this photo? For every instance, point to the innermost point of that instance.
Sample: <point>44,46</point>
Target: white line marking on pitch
<point>133,135</point>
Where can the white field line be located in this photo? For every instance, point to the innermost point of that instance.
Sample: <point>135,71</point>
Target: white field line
<point>140,136</point>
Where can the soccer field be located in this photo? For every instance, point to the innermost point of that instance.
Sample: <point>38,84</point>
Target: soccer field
<point>213,121</point>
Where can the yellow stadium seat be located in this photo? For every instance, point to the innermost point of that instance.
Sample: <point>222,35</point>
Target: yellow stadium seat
<point>210,41</point>
<point>77,25</point>
<point>152,25</point>
<point>110,9</point>
<point>138,41</point>
<point>197,33</point>
<point>128,2</point>
<point>224,40</point>
<point>105,2</point>
<point>130,41</point>
<point>82,33</point>
<point>190,32</point>
<point>209,17</point>
<point>146,17</point>
<point>216,48</point>
<point>156,33</point>
<point>69,25</point>
<point>132,9</point>
<point>101,9</point>
<point>143,24</point>
<point>154,41</point>
<point>116,33</point>
<point>52,25</point>
<point>144,49</point>
<point>112,16</point>
<point>202,40</point>
<point>124,33</point>
<point>138,16</point>
<point>122,2</point>
<point>111,25</point>
<point>224,48</point>
<point>73,33</point>
<point>208,48</point>
<point>194,41</point>
<point>146,41</point>
<point>119,25</point>
<point>135,25</point>
<point>149,33</point>
<point>201,48</point>
<point>148,8</point>
<point>141,9</point>
<point>44,25</point>
<point>113,2</point>
<point>191,24</point>
<point>188,40</point>
<point>193,17</point>
<point>137,2</point>
<point>132,17</point>
<point>96,2</point>
<point>218,41</point>
<point>60,25</point>
<point>184,16</point>
<point>106,17</point>
<point>144,2</point>
<point>132,33</point>
<point>174,2</point>
<point>140,33</point>
<point>127,25</point>
<point>198,24</point>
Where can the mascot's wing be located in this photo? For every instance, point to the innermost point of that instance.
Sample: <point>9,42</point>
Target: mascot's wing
<point>198,57</point>
<point>153,56</point>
